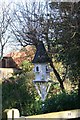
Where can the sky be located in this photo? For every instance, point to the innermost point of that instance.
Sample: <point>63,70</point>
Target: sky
<point>16,1</point>
<point>9,48</point>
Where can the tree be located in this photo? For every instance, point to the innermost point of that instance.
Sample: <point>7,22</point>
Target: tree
<point>34,24</point>
<point>19,91</point>
<point>4,27</point>
<point>68,38</point>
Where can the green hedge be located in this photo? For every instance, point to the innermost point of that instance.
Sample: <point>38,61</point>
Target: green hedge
<point>19,92</point>
<point>61,102</point>
<point>22,95</point>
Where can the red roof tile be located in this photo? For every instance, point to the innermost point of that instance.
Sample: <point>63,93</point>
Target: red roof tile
<point>22,55</point>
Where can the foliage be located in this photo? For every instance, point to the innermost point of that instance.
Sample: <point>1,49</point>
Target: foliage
<point>61,102</point>
<point>19,92</point>
<point>20,95</point>
<point>57,26</point>
<point>66,42</point>
<point>26,66</point>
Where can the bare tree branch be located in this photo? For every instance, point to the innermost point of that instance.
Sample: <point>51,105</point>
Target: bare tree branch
<point>4,28</point>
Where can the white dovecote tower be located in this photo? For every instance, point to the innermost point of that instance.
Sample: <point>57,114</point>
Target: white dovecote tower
<point>42,71</point>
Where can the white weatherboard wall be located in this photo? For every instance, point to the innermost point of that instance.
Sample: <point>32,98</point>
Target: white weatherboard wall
<point>6,72</point>
<point>41,74</point>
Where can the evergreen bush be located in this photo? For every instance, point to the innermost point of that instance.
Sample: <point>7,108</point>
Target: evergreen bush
<point>61,102</point>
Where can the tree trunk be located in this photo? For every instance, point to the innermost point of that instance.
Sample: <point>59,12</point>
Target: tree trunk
<point>1,54</point>
<point>2,51</point>
<point>58,77</point>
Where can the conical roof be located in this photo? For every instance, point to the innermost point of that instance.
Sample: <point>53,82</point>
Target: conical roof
<point>41,55</point>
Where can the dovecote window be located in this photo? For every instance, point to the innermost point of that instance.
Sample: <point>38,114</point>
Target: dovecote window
<point>37,69</point>
<point>47,69</point>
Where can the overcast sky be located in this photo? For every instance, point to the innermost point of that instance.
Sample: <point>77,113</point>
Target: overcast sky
<point>16,1</point>
<point>9,48</point>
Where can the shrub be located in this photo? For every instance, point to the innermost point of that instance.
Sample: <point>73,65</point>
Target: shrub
<point>19,92</point>
<point>61,102</point>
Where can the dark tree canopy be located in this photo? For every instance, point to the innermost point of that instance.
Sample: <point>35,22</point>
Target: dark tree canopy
<point>57,25</point>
